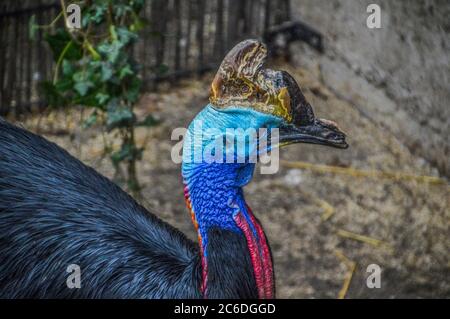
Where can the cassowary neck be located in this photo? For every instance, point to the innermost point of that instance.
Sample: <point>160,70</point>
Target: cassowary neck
<point>235,255</point>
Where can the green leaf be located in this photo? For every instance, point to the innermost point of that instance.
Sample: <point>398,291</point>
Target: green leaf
<point>110,50</point>
<point>91,120</point>
<point>125,35</point>
<point>88,100</point>
<point>118,157</point>
<point>134,89</point>
<point>107,72</point>
<point>127,152</point>
<point>99,14</point>
<point>126,70</point>
<point>112,32</point>
<point>64,84</point>
<point>58,42</point>
<point>79,76</point>
<point>121,117</point>
<point>138,24</point>
<point>83,87</point>
<point>67,68</point>
<point>120,10</point>
<point>52,94</point>
<point>149,121</point>
<point>102,98</point>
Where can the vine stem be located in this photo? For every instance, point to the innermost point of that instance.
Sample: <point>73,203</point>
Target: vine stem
<point>133,182</point>
<point>60,59</point>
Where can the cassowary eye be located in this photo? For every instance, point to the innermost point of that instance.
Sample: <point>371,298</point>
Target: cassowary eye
<point>258,95</point>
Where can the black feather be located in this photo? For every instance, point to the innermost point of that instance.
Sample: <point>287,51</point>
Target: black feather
<point>56,211</point>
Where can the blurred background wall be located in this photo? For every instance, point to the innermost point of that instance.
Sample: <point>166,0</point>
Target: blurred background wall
<point>398,75</point>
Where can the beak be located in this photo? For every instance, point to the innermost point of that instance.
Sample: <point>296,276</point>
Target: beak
<point>305,127</point>
<point>319,131</point>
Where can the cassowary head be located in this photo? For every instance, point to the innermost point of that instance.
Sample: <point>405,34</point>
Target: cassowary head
<point>243,82</point>
<point>254,107</point>
<point>249,105</point>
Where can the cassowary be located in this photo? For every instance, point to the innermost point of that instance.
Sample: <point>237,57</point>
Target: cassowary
<point>56,211</point>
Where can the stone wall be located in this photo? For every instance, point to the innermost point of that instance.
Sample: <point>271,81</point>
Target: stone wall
<point>398,76</point>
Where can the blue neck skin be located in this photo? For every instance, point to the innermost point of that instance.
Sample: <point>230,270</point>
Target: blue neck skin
<point>215,189</point>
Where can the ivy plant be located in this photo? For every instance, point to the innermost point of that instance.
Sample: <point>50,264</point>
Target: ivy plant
<point>95,69</point>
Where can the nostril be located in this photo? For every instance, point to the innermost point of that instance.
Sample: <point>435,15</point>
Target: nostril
<point>331,135</point>
<point>334,136</point>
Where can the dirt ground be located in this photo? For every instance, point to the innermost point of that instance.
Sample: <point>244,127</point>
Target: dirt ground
<point>312,218</point>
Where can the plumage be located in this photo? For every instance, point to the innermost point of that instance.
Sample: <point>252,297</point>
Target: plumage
<point>55,211</point>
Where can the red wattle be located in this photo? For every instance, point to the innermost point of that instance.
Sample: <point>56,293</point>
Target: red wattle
<point>257,247</point>
<point>269,286</point>
<point>259,254</point>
